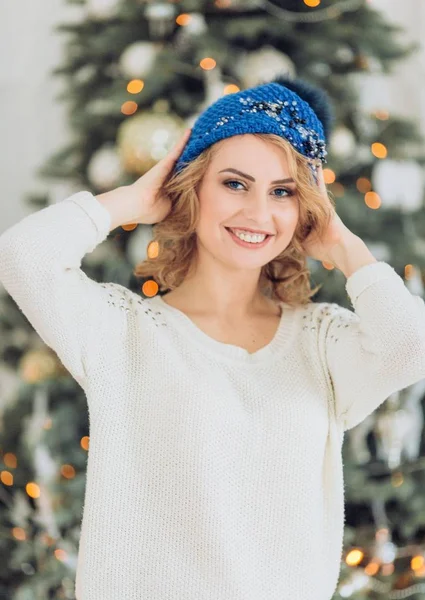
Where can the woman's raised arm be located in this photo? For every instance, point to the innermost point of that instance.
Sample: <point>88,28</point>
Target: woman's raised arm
<point>40,267</point>
<point>41,255</point>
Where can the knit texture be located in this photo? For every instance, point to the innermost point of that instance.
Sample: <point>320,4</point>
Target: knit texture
<point>267,108</point>
<point>213,473</point>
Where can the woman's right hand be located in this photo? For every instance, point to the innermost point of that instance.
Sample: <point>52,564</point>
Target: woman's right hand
<point>149,204</point>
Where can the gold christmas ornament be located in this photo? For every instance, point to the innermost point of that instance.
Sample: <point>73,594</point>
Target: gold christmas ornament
<point>146,138</point>
<point>38,365</point>
<point>263,65</point>
<point>362,62</point>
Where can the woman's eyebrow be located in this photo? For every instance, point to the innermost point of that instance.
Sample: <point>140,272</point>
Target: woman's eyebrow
<point>252,178</point>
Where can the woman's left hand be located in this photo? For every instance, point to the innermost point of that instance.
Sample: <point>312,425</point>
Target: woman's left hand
<point>337,232</point>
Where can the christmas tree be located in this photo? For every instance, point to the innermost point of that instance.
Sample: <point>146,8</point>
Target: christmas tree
<point>138,74</point>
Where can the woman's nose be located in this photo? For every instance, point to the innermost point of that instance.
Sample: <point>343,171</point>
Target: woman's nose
<point>258,209</point>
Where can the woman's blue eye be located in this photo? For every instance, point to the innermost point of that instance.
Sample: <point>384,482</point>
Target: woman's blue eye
<point>289,192</point>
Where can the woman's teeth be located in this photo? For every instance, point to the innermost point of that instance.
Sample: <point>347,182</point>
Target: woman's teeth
<point>254,238</point>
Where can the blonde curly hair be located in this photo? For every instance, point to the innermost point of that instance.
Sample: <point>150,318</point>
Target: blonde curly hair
<point>285,278</point>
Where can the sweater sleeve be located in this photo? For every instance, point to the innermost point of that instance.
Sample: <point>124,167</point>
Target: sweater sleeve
<point>40,260</point>
<point>377,350</point>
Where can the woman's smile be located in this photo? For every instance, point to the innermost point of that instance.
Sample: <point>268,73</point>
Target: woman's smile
<point>246,244</point>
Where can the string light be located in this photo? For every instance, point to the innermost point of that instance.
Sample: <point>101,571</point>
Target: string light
<point>397,480</point>
<point>329,175</point>
<point>409,271</point>
<point>150,288</point>
<point>354,557</point>
<point>129,226</point>
<point>363,185</point>
<point>322,14</point>
<point>372,568</point>
<point>135,86</point>
<point>231,88</point>
<point>382,115</point>
<point>60,554</point>
<point>207,64</point>
<point>129,107</point>
<point>153,249</point>
<point>379,150</point>
<point>6,477</point>
<point>223,3</point>
<point>19,534</point>
<point>417,563</point>
<point>183,19</point>
<point>32,489</point>
<point>10,460</point>
<point>372,200</point>
<point>67,471</point>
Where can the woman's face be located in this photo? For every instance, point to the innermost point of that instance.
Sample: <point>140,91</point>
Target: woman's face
<point>246,199</point>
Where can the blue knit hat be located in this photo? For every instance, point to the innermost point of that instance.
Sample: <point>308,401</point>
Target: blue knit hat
<point>290,108</point>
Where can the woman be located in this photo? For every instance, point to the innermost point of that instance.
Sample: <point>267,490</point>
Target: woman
<point>217,412</point>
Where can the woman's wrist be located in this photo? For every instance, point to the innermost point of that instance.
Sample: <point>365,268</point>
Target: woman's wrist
<point>120,205</point>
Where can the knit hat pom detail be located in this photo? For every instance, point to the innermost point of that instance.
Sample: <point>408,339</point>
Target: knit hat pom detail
<point>317,98</point>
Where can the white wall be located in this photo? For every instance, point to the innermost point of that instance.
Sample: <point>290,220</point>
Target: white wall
<point>33,123</point>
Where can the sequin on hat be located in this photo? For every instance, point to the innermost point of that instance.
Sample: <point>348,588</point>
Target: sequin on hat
<point>268,108</point>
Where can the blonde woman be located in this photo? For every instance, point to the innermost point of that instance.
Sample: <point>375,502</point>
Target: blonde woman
<point>218,407</point>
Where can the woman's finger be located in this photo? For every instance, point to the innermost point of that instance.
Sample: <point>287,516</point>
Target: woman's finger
<point>182,142</point>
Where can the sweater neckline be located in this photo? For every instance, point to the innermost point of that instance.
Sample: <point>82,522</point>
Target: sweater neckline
<point>278,344</point>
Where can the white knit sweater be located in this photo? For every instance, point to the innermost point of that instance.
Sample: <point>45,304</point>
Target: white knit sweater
<point>213,473</point>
